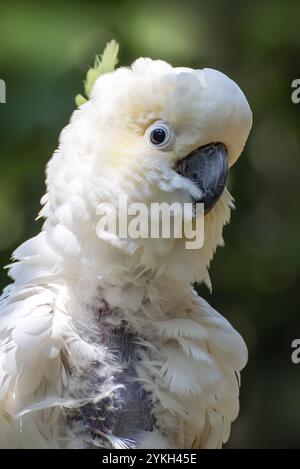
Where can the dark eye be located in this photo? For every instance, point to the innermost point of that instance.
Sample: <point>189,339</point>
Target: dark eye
<point>158,136</point>
<point>161,135</point>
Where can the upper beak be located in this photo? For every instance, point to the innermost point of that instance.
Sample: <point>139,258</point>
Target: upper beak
<point>207,167</point>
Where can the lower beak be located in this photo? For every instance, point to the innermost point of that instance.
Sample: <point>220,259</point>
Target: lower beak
<point>207,167</point>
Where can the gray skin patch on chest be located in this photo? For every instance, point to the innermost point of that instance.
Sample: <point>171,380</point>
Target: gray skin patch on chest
<point>127,413</point>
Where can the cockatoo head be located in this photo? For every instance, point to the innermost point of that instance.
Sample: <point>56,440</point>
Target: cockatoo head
<point>156,134</point>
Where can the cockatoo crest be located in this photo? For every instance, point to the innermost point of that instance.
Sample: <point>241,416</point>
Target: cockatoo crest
<point>105,63</point>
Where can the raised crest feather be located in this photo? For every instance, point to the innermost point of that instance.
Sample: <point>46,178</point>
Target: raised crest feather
<point>104,63</point>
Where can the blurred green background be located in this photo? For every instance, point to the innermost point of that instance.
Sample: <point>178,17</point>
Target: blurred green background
<point>45,49</point>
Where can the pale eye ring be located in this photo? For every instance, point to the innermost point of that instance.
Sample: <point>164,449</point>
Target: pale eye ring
<point>160,135</point>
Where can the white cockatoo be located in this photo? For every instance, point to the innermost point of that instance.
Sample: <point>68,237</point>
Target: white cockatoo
<point>103,340</point>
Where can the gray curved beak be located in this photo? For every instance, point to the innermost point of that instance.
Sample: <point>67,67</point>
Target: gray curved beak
<point>207,167</point>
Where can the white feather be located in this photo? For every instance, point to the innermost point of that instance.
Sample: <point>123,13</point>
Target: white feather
<point>72,277</point>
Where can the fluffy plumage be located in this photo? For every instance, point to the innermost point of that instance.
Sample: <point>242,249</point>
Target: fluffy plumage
<point>74,288</point>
